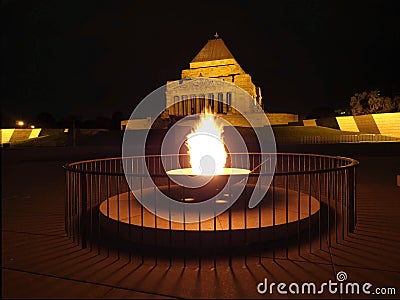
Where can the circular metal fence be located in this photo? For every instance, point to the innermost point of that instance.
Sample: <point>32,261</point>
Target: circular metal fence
<point>310,204</point>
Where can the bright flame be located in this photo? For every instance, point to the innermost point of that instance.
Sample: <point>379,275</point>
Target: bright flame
<point>206,148</point>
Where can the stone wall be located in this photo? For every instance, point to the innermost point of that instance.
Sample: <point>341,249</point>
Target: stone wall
<point>281,118</point>
<point>366,123</point>
<point>224,69</point>
<point>136,124</point>
<point>386,123</point>
<point>216,68</point>
<point>347,123</point>
<point>12,135</point>
<point>310,122</point>
<point>6,135</point>
<point>328,122</point>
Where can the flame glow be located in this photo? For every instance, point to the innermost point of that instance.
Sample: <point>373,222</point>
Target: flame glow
<point>206,148</point>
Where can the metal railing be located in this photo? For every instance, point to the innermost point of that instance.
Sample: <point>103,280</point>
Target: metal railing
<point>309,205</point>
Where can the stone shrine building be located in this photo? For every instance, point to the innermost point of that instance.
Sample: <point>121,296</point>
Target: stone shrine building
<point>217,62</point>
<point>214,61</point>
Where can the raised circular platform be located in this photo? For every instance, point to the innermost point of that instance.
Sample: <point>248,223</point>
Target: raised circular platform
<point>123,216</point>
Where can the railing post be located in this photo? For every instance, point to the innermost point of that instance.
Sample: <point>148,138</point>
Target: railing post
<point>83,216</point>
<point>352,199</point>
<point>66,202</point>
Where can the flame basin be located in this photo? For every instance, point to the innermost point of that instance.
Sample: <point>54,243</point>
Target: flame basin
<point>203,187</point>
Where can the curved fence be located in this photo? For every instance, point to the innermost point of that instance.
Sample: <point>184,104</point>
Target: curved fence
<point>309,205</point>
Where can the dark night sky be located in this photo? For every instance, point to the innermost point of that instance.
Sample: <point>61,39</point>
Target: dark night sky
<point>91,58</point>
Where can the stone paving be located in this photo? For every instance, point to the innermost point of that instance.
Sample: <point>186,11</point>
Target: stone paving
<point>39,261</point>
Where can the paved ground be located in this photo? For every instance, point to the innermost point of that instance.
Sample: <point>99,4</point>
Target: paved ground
<point>39,261</point>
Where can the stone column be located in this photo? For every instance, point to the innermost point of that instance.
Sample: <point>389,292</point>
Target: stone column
<point>229,100</point>
<point>220,103</point>
<point>192,101</point>
<point>198,105</point>
<point>171,109</point>
<point>170,104</point>
<point>189,106</point>
<point>180,109</point>
<point>176,108</point>
<point>215,104</point>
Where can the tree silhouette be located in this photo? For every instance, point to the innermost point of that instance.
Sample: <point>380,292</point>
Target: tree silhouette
<point>372,103</point>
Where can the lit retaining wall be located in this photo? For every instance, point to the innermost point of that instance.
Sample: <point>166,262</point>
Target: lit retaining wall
<point>386,123</point>
<point>11,135</point>
<point>136,124</point>
<point>366,123</point>
<point>6,135</point>
<point>282,118</point>
<point>35,133</point>
<point>310,122</point>
<point>347,123</point>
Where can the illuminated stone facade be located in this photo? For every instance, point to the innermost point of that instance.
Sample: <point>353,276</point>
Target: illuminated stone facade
<point>217,62</point>
<point>186,96</point>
